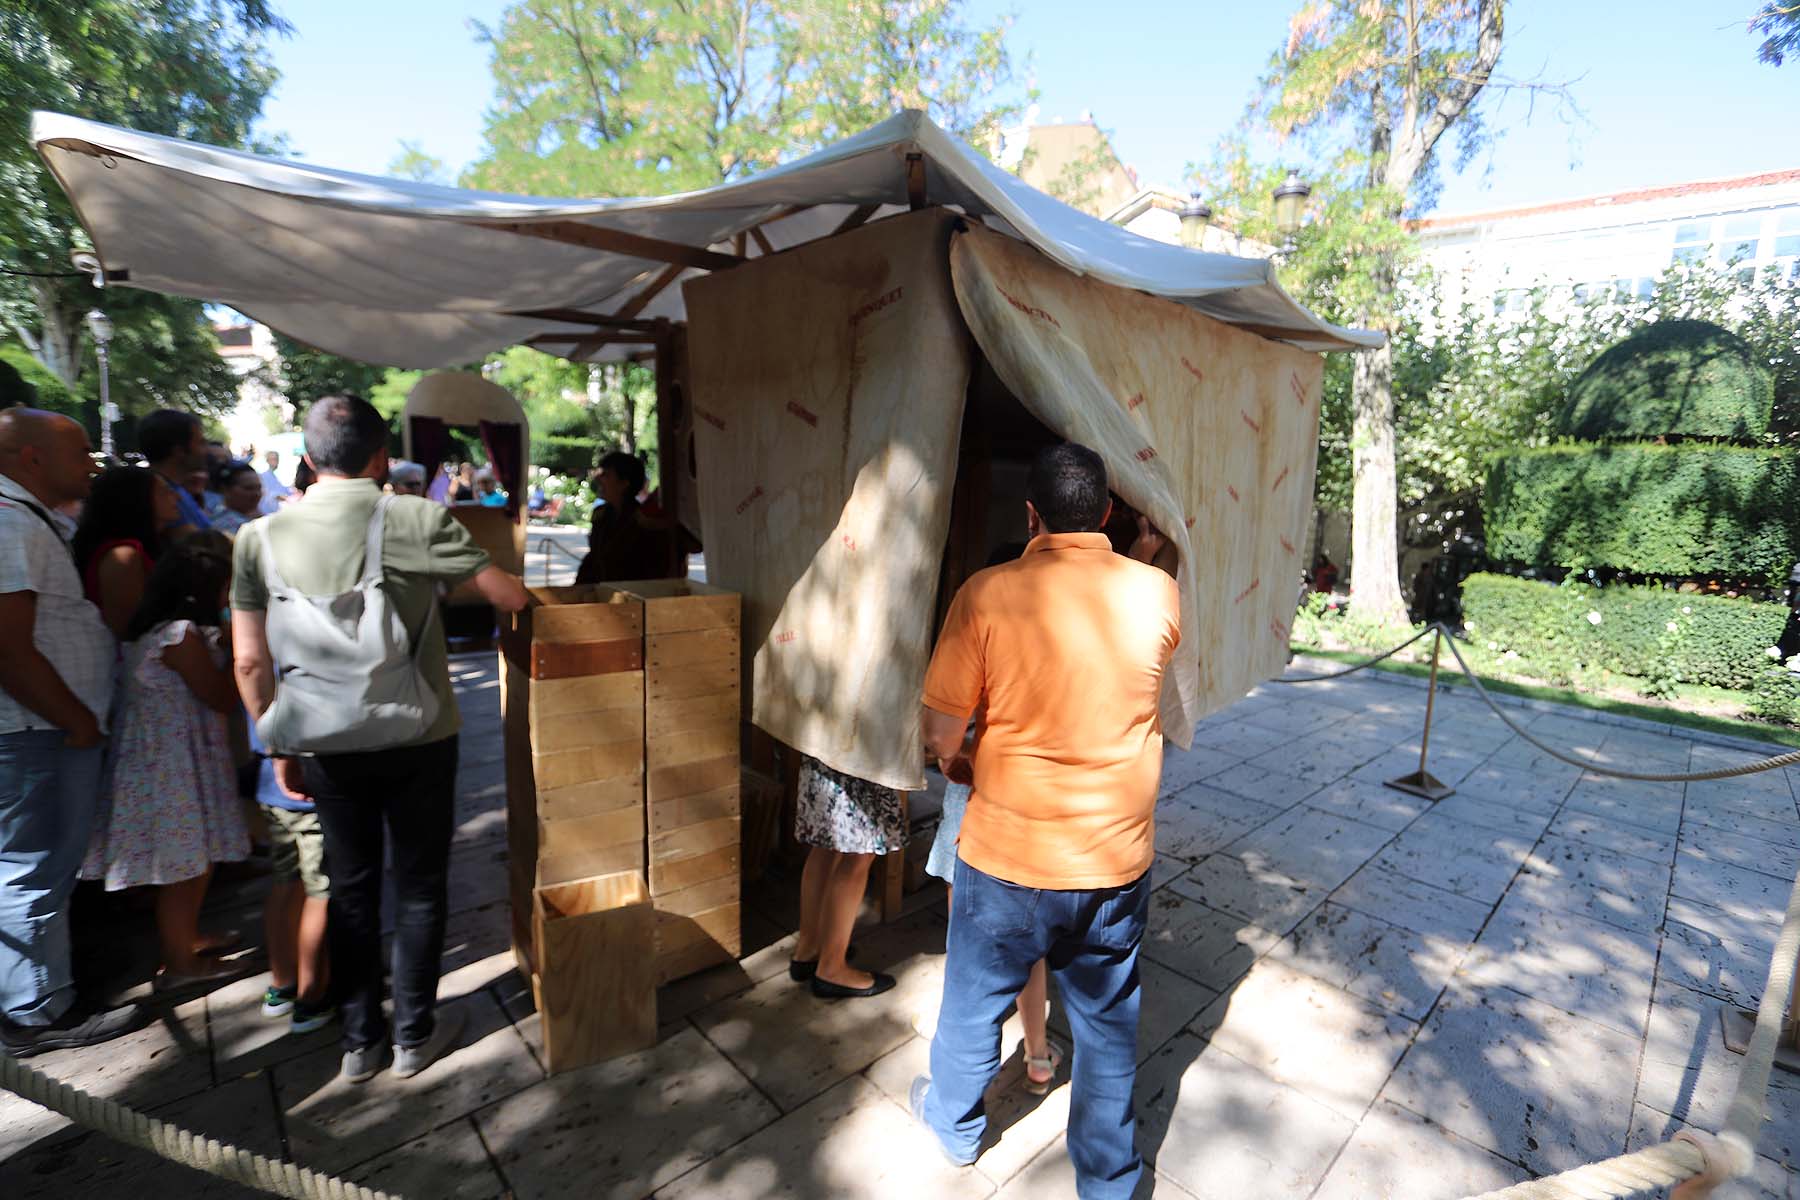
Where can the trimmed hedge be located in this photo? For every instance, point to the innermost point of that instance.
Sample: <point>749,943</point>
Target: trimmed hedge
<point>1718,641</point>
<point>570,456</point>
<point>1672,377</point>
<point>1654,510</point>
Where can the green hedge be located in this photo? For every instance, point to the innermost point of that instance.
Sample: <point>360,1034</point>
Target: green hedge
<point>1653,510</point>
<point>570,456</point>
<point>1718,641</point>
<point>1672,377</point>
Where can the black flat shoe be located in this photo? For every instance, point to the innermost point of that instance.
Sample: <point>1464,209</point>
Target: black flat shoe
<point>824,989</point>
<point>800,971</point>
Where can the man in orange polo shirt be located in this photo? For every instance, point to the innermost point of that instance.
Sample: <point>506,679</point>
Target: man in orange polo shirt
<point>1066,648</point>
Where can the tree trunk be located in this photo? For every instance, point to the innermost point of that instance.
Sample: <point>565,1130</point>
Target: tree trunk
<point>58,341</point>
<point>1374,540</point>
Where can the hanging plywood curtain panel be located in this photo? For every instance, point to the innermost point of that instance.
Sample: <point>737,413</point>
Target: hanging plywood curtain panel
<point>827,388</point>
<point>1210,431</point>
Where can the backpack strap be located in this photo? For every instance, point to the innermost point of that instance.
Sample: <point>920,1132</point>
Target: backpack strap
<point>371,572</point>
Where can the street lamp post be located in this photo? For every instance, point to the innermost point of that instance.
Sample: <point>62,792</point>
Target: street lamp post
<point>1290,207</point>
<point>100,327</point>
<point>1195,216</point>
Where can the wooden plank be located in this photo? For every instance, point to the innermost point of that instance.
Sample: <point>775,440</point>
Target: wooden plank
<point>561,660</point>
<point>615,241</point>
<point>561,868</point>
<point>585,622</point>
<point>554,699</point>
<point>652,290</point>
<point>577,730</point>
<point>690,779</point>
<point>719,925</point>
<point>762,240</point>
<point>679,964</point>
<point>720,740</point>
<point>700,679</point>
<point>588,799</point>
<point>915,181</point>
<point>700,897</point>
<point>669,815</point>
<point>598,831</point>
<point>617,760</point>
<point>691,840</point>
<point>679,614</point>
<point>699,647</point>
<point>596,980</point>
<point>694,712</point>
<point>858,216</point>
<point>579,316</point>
<point>678,873</point>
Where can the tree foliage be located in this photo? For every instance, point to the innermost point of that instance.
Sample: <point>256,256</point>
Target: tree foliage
<point>303,374</point>
<point>187,68</point>
<point>606,99</point>
<point>1778,22</point>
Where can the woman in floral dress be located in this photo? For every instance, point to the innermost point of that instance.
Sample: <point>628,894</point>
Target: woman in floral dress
<point>847,821</point>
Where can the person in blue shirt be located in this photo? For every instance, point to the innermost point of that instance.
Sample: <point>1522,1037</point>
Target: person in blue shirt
<point>487,490</point>
<point>174,444</point>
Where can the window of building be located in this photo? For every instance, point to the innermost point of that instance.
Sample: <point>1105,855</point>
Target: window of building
<point>1693,240</point>
<point>1786,248</point>
<point>1739,239</point>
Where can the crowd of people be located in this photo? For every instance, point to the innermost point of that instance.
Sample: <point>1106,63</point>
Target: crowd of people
<point>168,674</point>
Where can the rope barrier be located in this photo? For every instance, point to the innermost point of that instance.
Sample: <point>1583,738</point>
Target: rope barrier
<point>1361,666</point>
<point>176,1144</point>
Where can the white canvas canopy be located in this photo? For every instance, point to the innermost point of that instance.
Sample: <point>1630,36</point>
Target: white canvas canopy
<point>417,275</point>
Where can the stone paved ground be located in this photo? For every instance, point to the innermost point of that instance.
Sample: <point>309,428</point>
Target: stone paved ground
<point>1348,993</point>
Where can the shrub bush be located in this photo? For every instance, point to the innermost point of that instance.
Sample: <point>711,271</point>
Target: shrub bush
<point>1655,510</point>
<point>1718,641</point>
<point>1777,696</point>
<point>1671,377</point>
<point>571,456</point>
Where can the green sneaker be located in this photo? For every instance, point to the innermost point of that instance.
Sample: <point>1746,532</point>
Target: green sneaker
<point>308,1018</point>
<point>278,1002</point>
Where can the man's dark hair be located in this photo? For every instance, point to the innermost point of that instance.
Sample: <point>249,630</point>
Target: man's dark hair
<point>628,467</point>
<point>1067,486</point>
<point>225,473</point>
<point>164,432</point>
<point>343,434</point>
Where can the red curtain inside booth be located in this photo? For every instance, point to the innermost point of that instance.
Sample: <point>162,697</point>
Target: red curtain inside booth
<point>501,441</point>
<point>430,444</point>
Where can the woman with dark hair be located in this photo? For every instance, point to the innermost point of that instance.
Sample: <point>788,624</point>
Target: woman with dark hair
<point>622,544</point>
<point>171,807</point>
<point>119,537</point>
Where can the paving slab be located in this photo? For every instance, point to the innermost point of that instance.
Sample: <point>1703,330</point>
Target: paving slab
<point>1303,1032</point>
<point>1317,848</point>
<point>621,1129</point>
<point>1521,1078</point>
<point>1466,859</point>
<point>1277,789</point>
<point>1370,803</point>
<point>332,1124</point>
<point>1217,1126</point>
<point>1629,803</point>
<point>1051,1176</point>
<point>851,1142</point>
<point>243,1040</point>
<point>1768,1180</point>
<point>1542,787</point>
<point>1575,876</point>
<point>1397,1153</point>
<point>1776,833</point>
<point>241,1113</point>
<point>1476,809</point>
<point>1657,846</point>
<point>1723,801</point>
<point>1169,1001</point>
<point>1385,894</point>
<point>1707,950</point>
<point>1250,889</point>
<point>1717,845</point>
<point>1751,895</point>
<point>757,1029</point>
<point>1315,761</point>
<point>1447,766</point>
<point>1200,819</point>
<point>1182,767</point>
<point>1210,947</point>
<point>1395,968</point>
<point>1581,966</point>
<point>1241,738</point>
<point>450,1162</point>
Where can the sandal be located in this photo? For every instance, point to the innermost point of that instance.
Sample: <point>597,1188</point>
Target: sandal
<point>1049,1063</point>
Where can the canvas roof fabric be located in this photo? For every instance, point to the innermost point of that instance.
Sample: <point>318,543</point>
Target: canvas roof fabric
<point>419,275</point>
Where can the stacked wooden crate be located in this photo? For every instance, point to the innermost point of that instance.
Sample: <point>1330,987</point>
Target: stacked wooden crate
<point>692,715</point>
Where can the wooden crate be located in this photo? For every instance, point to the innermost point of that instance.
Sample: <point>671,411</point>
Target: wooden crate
<point>595,985</point>
<point>693,661</point>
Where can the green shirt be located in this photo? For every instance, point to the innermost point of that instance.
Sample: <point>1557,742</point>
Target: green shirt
<point>318,544</point>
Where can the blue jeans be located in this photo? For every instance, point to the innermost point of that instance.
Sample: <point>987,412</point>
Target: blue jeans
<point>48,796</point>
<point>1091,938</point>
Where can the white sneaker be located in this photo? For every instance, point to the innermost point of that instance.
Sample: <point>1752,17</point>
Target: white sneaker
<point>410,1060</point>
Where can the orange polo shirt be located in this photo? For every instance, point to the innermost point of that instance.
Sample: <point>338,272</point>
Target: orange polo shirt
<point>1066,646</point>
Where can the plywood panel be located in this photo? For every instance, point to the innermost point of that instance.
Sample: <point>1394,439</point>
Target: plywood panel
<point>720,740</point>
<point>619,760</point>
<point>672,651</point>
<point>700,897</point>
<point>688,779</point>
<point>577,835</point>
<point>596,983</point>
<point>721,925</point>
<point>694,839</point>
<point>671,875</point>
<point>561,868</point>
<point>585,622</point>
<point>678,964</point>
<point>554,699</point>
<point>664,717</point>
<point>587,799</point>
<point>667,815</point>
<point>576,731</point>
<point>693,680</point>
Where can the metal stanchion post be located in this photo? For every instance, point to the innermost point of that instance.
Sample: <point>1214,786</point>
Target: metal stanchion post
<point>1422,782</point>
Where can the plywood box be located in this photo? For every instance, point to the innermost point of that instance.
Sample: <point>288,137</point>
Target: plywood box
<point>595,982</point>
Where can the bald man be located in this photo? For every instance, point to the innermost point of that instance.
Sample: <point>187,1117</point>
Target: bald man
<point>55,687</point>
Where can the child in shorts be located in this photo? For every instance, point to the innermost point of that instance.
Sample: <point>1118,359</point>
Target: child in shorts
<point>294,914</point>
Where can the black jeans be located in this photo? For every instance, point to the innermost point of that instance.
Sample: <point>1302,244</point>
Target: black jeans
<point>412,793</point>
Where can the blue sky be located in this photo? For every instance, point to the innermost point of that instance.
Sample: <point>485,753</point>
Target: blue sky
<point>1670,92</point>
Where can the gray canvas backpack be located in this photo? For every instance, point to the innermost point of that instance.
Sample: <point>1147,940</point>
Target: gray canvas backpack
<point>346,672</point>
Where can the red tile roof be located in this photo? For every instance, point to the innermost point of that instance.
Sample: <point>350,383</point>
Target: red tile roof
<point>1634,196</point>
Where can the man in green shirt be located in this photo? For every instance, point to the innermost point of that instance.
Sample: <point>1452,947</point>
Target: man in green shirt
<point>409,787</point>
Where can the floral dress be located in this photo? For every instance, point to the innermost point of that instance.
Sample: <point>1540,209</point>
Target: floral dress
<point>170,808</point>
<point>841,812</point>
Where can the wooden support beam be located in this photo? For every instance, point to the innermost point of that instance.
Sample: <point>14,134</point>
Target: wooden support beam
<point>605,336</point>
<point>762,240</point>
<point>593,237</point>
<point>639,302</point>
<point>915,181</point>
<point>737,244</point>
<point>575,316</point>
<point>857,217</point>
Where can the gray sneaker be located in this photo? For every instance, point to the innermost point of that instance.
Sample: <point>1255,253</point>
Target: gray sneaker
<point>360,1065</point>
<point>410,1060</point>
